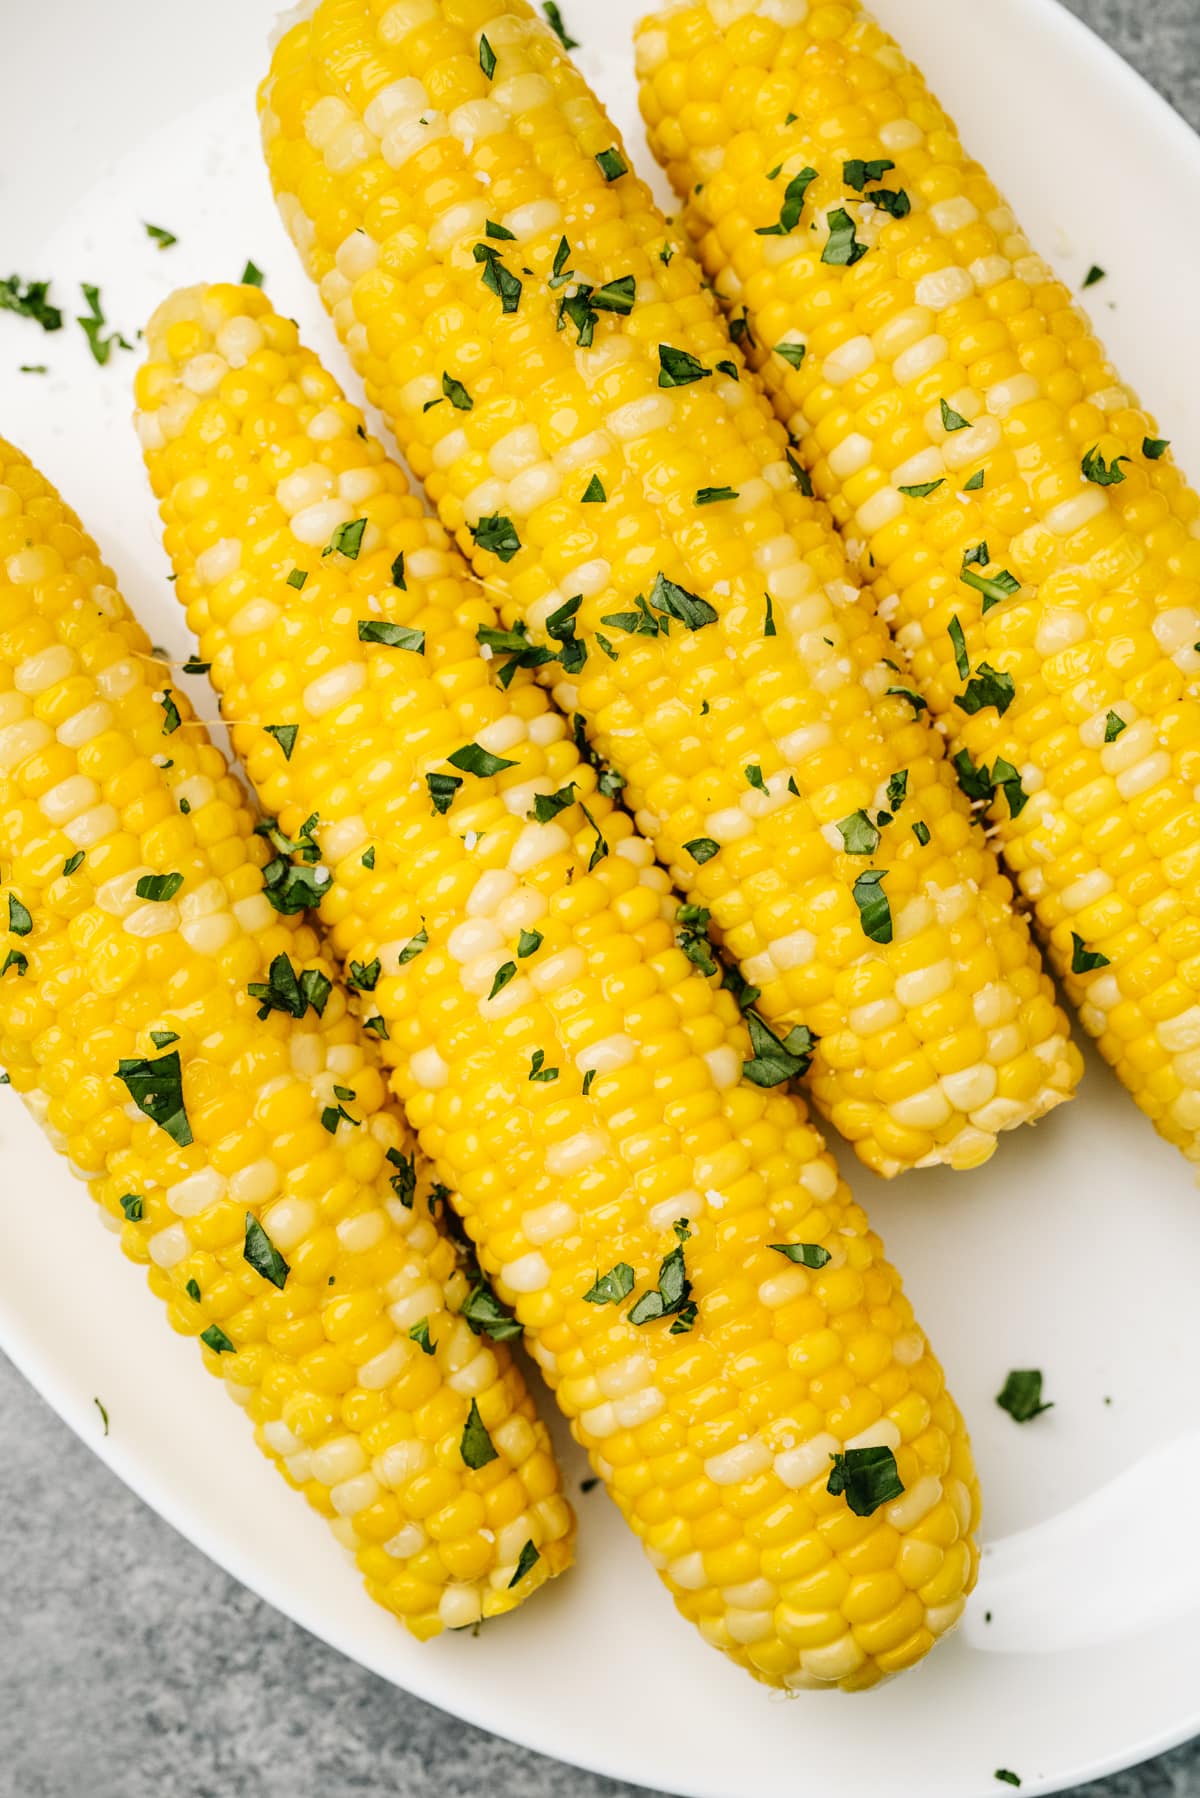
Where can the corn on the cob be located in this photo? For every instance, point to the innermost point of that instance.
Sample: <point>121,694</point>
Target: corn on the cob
<point>1031,543</point>
<point>185,1045</point>
<point>554,1046</point>
<point>449,210</point>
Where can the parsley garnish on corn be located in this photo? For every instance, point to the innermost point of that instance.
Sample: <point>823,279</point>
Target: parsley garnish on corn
<point>539,953</point>
<point>202,1143</point>
<point>936,1033</point>
<point>952,352</point>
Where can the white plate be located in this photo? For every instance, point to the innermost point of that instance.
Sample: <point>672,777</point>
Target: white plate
<point>1077,1250</point>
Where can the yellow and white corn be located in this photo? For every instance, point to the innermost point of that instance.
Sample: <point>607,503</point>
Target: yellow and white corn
<point>97,793</point>
<point>394,154</point>
<point>570,1072</point>
<point>949,303</point>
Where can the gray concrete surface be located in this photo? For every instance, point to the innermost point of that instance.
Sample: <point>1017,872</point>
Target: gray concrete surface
<point>131,1667</point>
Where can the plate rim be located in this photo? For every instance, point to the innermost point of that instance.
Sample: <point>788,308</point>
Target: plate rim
<point>234,1555</point>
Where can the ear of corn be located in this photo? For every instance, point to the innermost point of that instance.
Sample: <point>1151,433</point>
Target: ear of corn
<point>622,487</point>
<point>566,1065</point>
<point>214,1139</point>
<point>1049,538</point>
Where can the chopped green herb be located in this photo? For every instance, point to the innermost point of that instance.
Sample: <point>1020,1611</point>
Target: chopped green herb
<point>1114,724</point>
<point>498,279</point>
<point>868,1477</point>
<point>364,975</point>
<point>587,1081</point>
<point>775,1062</point>
<point>285,735</point>
<point>160,236</point>
<point>1101,473</point>
<point>711,496</point>
<point>398,579</point>
<point>19,920</point>
<point>612,164</point>
<point>792,352</point>
<point>497,534</point>
<point>32,368</point>
<point>347,540</point>
<point>856,173</point>
<point>800,475</point>
<point>679,369</point>
<point>170,711</point>
<point>842,249</point>
<point>895,202</point>
<point>1083,959</point>
<point>612,1288</point>
<point>539,1073</point>
<point>1155,447</point>
<point>262,1254</point>
<point>1004,1775</point>
<point>693,937</point>
<point>859,835</point>
<point>754,775</point>
<point>872,902</point>
<point>1094,274</point>
<point>921,832</point>
<point>952,420</point>
<point>995,589</point>
<point>528,1558</point>
<point>702,849</point>
<point>975,783</point>
<point>924,489</point>
<point>1008,780</point>
<point>419,1333</point>
<point>671,1298</point>
<point>473,759</point>
<point>162,1039</point>
<point>392,636</point>
<point>504,974</point>
<point>487,58</point>
<point>897,790</point>
<point>988,686</point>
<point>793,205</point>
<point>691,611</point>
<point>93,325</point>
<point>1021,1395</point>
<point>156,1088</point>
<point>961,659</point>
<point>554,19</point>
<point>599,847</point>
<point>486,1316</point>
<point>134,1207</point>
<point>215,1339</point>
<point>252,276</point>
<point>594,494</point>
<point>103,1413</point>
<point>159,887</point>
<point>975,482</point>
<point>804,1254</point>
<point>501,233</point>
<point>31,303</point>
<point>368,857</point>
<point>914,699</point>
<point>404,1181</point>
<point>184,807</point>
<point>477,1448</point>
<point>442,788</point>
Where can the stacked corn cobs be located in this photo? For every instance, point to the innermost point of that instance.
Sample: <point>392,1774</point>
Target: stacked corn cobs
<point>566,388</point>
<point>711,1308</point>
<point>1026,530</point>
<point>184,1043</point>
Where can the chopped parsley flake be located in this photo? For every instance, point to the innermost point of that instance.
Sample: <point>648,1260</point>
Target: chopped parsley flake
<point>1021,1395</point>
<point>477,1448</point>
<point>252,276</point>
<point>874,911</point>
<point>170,711</point>
<point>215,1339</point>
<point>679,369</point>
<point>285,735</point>
<point>528,1558</point>
<point>859,836</point>
<point>612,164</point>
<point>702,849</point>
<point>30,301</point>
<point>711,496</point>
<point>262,1254</point>
<point>539,1073</point>
<point>393,636</point>
<point>1101,473</point>
<point>952,420</point>
<point>793,205</point>
<point>504,973</point>
<point>19,920</point>
<point>1114,724</point>
<point>924,489</point>
<point>961,659</point>
<point>347,539</point>
<point>856,173</point>
<point>1094,274</point>
<point>672,1297</point>
<point>160,236</point>
<point>975,482</point>
<point>775,1062</point>
<point>93,324</point>
<point>804,1254</point>
<point>921,832</point>
<point>134,1207</point>
<point>612,1288</point>
<point>792,352</point>
<point>486,1316</point>
<point>419,1333</point>
<point>554,19</point>
<point>286,991</point>
<point>156,1088</point>
<point>1083,959</point>
<point>473,759</point>
<point>498,279</point>
<point>442,788</point>
<point>989,686</point>
<point>497,534</point>
<point>867,1476</point>
<point>487,58</point>
<point>842,250</point>
<point>158,887</point>
<point>594,494</point>
<point>1155,447</point>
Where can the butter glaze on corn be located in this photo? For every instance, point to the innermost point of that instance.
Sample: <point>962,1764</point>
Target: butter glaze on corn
<point>715,1442</point>
<point>349,1408</point>
<point>390,150</point>
<point>952,303</point>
